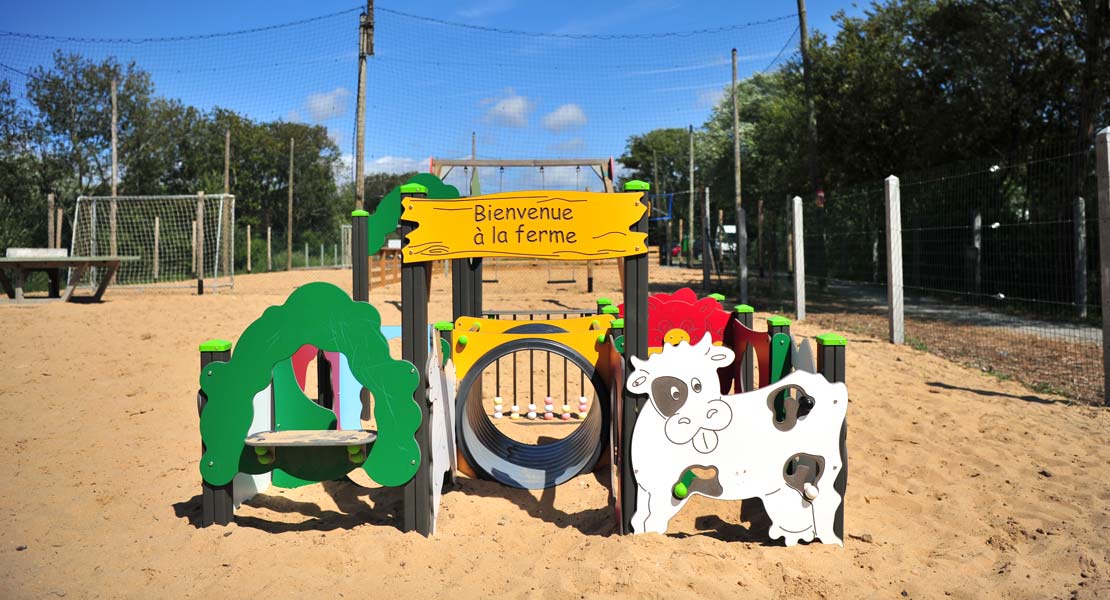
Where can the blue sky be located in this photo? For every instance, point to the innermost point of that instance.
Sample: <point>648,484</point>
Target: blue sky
<point>589,79</point>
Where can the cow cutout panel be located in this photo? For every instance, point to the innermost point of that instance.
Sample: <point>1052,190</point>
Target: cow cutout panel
<point>689,424</point>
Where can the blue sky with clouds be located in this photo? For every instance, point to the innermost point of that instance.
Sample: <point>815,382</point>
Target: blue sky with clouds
<point>531,79</point>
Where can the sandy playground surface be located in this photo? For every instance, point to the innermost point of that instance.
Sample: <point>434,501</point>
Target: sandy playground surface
<point>960,485</point>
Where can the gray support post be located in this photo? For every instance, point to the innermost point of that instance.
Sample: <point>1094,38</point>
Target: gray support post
<point>269,249</point>
<point>216,500</point>
<point>200,243</point>
<point>745,315</point>
<point>414,349</point>
<point>1102,158</point>
<point>831,356</point>
<point>635,344</point>
<point>248,247</point>
<point>360,265</point>
<point>1079,225</point>
<point>894,259</point>
<point>742,252</point>
<point>799,261</point>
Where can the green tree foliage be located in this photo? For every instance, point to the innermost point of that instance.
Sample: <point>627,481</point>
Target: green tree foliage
<point>62,144</point>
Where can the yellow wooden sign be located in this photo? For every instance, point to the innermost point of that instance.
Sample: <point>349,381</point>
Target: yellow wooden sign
<point>559,225</point>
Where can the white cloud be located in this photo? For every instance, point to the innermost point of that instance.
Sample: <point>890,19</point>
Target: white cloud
<point>292,116</point>
<point>710,98</point>
<point>326,105</point>
<point>510,111</point>
<point>572,146</point>
<point>567,116</point>
<point>396,164</point>
<point>484,9</point>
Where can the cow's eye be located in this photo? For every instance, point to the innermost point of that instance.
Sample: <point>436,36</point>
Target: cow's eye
<point>696,384</point>
<point>674,393</point>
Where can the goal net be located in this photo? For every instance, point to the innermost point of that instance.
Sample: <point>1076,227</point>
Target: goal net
<point>174,237</point>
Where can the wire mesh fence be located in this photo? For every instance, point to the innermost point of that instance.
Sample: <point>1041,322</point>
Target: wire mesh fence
<point>999,266</point>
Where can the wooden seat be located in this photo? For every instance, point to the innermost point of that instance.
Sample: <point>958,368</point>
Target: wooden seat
<point>312,438</point>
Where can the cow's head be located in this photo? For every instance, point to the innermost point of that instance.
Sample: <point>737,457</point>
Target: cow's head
<point>683,386</point>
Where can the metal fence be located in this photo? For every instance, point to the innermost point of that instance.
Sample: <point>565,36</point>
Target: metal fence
<point>999,264</point>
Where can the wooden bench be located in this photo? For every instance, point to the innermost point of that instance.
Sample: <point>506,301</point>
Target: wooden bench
<point>21,262</point>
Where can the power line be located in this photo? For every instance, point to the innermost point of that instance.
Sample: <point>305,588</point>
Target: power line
<point>586,36</point>
<point>179,38</point>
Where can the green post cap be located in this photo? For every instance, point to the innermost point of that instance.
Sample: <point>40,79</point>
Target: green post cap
<point>601,339</point>
<point>636,185</point>
<point>743,309</point>
<point>215,346</point>
<point>831,339</point>
<point>617,324</point>
<point>463,340</point>
<point>413,188</point>
<point>444,325</point>
<point>359,213</point>
<point>611,310</point>
<point>680,490</point>
<point>604,302</point>
<point>716,296</point>
<point>777,321</point>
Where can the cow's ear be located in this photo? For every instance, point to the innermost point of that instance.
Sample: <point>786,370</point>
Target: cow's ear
<point>640,381</point>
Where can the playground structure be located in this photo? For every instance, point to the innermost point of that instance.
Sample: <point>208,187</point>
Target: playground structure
<point>256,420</point>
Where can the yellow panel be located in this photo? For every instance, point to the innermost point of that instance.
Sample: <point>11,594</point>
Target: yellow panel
<point>558,225</point>
<point>581,336</point>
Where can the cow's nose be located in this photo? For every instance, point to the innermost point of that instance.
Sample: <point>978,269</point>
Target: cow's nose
<point>712,413</point>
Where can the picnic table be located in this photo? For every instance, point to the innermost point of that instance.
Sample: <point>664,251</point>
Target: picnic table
<point>15,268</point>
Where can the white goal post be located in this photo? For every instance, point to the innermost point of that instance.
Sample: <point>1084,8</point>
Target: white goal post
<point>163,232</point>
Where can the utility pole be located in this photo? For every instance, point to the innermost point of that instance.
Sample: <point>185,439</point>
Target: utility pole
<point>741,220</point>
<point>365,48</point>
<point>289,221</point>
<point>690,207</point>
<point>811,136</point>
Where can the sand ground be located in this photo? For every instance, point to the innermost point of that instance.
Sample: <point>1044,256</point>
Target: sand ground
<point>960,485</point>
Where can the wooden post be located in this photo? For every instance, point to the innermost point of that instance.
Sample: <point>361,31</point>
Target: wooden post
<point>690,211</point>
<point>1102,158</point>
<point>976,253</point>
<point>225,214</point>
<point>114,209</point>
<point>759,238</point>
<point>706,247</point>
<point>248,247</point>
<point>789,234</point>
<point>321,255</point>
<point>306,255</point>
<point>799,261</point>
<point>365,48</point>
<point>157,232</point>
<point>741,220</point>
<point>1079,225</point>
<point>193,245</point>
<point>269,250</point>
<point>681,224</point>
<point>289,219</point>
<point>200,243</point>
<point>894,259</point>
<point>58,224</point>
<point>50,220</point>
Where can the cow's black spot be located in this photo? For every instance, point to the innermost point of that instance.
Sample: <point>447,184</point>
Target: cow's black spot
<point>669,394</point>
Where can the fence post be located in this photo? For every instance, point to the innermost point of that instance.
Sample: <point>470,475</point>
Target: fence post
<point>248,247</point>
<point>706,247</point>
<point>1079,223</point>
<point>200,243</point>
<point>799,262</point>
<point>50,220</point>
<point>157,232</point>
<point>269,250</point>
<point>58,224</point>
<point>1102,157</point>
<point>894,259</point>
<point>976,253</point>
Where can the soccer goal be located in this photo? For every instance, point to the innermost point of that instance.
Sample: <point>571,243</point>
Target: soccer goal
<point>178,239</point>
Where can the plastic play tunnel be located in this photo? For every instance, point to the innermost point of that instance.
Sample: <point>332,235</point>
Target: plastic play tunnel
<point>496,456</point>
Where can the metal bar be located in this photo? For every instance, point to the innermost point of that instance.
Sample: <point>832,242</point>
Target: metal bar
<point>493,162</point>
